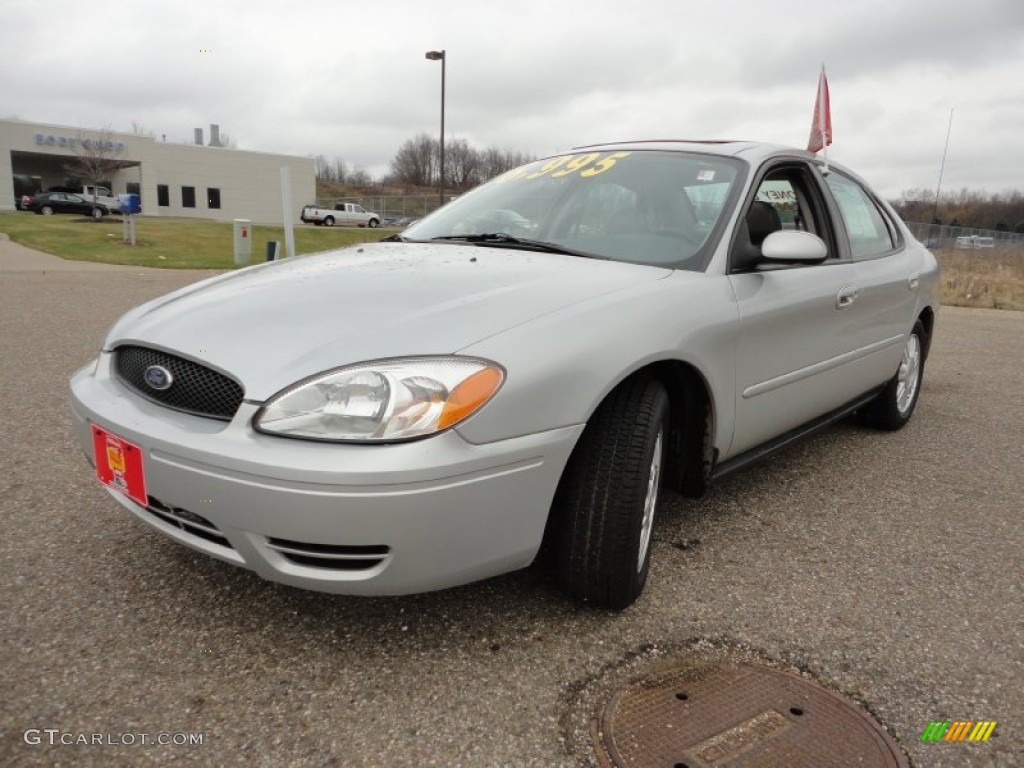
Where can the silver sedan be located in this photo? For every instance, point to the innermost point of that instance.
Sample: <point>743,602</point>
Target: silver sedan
<point>530,365</point>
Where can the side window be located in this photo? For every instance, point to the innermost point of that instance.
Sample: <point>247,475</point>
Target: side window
<point>781,196</point>
<point>869,230</point>
<point>788,197</point>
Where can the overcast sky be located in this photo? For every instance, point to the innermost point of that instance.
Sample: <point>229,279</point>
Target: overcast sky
<point>349,79</point>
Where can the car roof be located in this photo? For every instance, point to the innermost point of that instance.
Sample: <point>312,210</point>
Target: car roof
<point>749,150</point>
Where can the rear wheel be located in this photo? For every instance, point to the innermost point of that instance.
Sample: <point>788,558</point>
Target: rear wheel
<point>46,210</point>
<point>374,223</point>
<point>895,404</point>
<point>606,502</point>
<point>329,221</point>
<point>97,213</point>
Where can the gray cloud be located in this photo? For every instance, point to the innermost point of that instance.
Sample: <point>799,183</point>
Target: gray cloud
<point>539,77</point>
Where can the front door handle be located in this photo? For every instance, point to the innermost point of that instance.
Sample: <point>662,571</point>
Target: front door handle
<point>846,296</point>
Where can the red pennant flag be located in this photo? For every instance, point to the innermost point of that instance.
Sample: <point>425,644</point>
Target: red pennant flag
<point>821,126</point>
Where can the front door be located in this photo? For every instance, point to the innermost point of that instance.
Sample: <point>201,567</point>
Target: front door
<point>797,341</point>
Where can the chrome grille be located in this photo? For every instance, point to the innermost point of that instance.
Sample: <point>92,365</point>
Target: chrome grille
<point>337,557</point>
<point>195,388</point>
<point>187,521</point>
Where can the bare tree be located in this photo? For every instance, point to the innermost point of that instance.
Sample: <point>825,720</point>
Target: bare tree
<point>141,130</point>
<point>462,165</point>
<point>340,170</point>
<point>359,177</point>
<point>330,170</point>
<point>415,161</point>
<point>95,159</point>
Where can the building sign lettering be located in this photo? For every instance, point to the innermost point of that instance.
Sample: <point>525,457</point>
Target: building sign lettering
<point>68,142</point>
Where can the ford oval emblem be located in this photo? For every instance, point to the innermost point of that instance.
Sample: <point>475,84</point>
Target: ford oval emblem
<point>157,377</point>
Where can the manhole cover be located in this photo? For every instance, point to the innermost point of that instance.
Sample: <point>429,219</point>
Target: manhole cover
<point>707,714</point>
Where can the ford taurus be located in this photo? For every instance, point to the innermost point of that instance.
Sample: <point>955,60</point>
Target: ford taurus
<point>524,369</point>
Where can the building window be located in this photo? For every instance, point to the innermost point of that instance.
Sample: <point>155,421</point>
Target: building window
<point>134,188</point>
<point>212,197</point>
<point>188,197</point>
<point>163,195</point>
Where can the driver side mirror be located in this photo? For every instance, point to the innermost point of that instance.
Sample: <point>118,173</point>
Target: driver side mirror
<point>793,247</point>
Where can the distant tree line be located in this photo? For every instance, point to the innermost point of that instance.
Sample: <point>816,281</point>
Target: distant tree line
<point>417,163</point>
<point>337,170</point>
<point>999,211</point>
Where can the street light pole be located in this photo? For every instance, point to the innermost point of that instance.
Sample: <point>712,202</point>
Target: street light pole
<point>440,56</point>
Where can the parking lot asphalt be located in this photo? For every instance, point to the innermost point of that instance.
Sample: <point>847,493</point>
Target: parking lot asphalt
<point>887,565</point>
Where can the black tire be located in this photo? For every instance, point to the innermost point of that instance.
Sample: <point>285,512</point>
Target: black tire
<point>374,223</point>
<point>46,210</point>
<point>609,489</point>
<point>98,213</point>
<point>895,404</point>
<point>329,221</point>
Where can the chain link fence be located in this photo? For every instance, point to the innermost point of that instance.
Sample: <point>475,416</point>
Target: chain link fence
<point>941,236</point>
<point>392,207</point>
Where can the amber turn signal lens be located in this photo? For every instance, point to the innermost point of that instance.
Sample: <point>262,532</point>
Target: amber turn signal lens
<point>468,396</point>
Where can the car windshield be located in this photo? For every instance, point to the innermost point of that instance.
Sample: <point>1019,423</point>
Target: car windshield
<point>645,207</point>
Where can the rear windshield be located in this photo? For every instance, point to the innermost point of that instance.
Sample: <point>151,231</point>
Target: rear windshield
<point>646,207</point>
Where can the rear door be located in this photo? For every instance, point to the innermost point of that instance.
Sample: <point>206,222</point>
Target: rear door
<point>888,271</point>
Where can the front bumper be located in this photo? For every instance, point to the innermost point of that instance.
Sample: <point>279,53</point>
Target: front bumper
<point>374,519</point>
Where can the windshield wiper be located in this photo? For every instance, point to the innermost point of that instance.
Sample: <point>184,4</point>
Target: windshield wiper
<point>505,240</point>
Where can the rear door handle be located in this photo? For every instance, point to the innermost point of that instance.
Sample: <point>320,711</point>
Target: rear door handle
<point>846,296</point>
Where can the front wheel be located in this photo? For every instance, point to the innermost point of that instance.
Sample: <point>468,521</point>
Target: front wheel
<point>895,404</point>
<point>606,502</point>
<point>374,223</point>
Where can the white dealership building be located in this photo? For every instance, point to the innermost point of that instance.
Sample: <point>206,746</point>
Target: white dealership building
<point>172,179</point>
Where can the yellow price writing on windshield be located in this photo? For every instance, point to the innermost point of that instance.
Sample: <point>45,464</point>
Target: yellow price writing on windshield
<point>587,166</point>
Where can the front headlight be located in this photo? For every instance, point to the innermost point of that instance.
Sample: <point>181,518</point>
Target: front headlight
<point>382,401</point>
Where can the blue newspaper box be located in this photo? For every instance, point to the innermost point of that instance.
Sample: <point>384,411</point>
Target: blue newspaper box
<point>130,203</point>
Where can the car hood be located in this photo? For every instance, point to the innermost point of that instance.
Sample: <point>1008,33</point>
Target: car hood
<point>272,325</point>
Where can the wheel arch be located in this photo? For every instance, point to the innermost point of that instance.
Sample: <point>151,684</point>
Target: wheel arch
<point>690,454</point>
<point>690,449</point>
<point>927,318</point>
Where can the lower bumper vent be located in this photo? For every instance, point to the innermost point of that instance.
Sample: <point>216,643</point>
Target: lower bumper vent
<point>335,557</point>
<point>190,522</point>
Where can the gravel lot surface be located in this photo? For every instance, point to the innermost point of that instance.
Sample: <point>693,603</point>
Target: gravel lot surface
<point>888,566</point>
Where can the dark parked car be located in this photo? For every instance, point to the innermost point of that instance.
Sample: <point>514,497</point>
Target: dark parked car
<point>48,203</point>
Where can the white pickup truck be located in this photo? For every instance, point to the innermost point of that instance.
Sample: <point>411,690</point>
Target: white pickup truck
<point>103,196</point>
<point>342,213</point>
